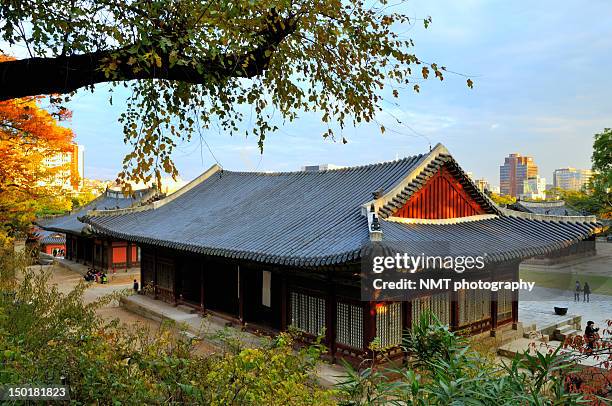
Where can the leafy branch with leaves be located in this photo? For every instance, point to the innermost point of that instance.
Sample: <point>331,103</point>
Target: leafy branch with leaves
<point>236,66</point>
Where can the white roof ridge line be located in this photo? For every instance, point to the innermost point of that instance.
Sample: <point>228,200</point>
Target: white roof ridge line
<point>455,220</point>
<point>159,203</point>
<point>397,189</point>
<point>547,217</point>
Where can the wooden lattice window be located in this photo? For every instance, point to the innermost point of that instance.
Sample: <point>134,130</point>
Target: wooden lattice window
<point>504,304</point>
<point>438,304</point>
<point>349,325</point>
<point>474,305</point>
<point>389,324</point>
<point>307,313</point>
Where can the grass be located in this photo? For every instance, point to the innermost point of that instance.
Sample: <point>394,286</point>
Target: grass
<point>599,284</point>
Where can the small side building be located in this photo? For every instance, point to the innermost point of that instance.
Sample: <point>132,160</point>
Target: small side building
<point>51,242</point>
<point>555,208</point>
<point>96,251</point>
<point>274,250</point>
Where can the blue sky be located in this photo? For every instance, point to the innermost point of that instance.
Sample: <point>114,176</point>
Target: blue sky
<point>542,88</point>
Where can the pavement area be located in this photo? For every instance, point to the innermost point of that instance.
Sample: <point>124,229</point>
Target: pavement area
<point>521,345</point>
<point>541,312</point>
<point>537,307</point>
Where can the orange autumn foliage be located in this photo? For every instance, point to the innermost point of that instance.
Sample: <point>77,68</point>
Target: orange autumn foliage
<point>28,135</point>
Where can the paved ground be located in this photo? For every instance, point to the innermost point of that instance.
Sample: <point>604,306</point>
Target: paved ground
<point>537,307</point>
<point>541,312</point>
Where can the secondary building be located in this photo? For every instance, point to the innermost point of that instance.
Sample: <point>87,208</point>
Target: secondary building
<point>51,242</point>
<point>557,208</point>
<point>97,251</point>
<point>274,250</point>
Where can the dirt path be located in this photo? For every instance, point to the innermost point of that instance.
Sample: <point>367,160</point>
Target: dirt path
<point>66,280</point>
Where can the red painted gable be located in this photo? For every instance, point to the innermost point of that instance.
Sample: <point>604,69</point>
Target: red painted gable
<point>441,197</point>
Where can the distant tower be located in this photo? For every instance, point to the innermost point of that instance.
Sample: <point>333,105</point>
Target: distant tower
<point>512,174</point>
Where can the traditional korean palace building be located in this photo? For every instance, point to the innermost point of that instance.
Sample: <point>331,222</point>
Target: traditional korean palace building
<point>51,242</point>
<point>273,250</point>
<point>556,208</point>
<point>99,252</point>
<point>548,207</point>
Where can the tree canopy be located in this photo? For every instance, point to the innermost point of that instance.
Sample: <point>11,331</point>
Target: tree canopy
<point>28,136</point>
<point>239,66</point>
<point>601,183</point>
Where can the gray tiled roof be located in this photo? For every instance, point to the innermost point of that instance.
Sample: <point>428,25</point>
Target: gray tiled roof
<point>554,208</point>
<point>501,237</point>
<point>50,237</point>
<point>312,218</point>
<point>108,200</point>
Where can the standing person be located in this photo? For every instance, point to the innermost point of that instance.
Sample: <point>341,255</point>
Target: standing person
<point>587,293</point>
<point>577,292</point>
<point>590,334</point>
<point>135,286</point>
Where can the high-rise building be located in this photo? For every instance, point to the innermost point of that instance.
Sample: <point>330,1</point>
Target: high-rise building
<point>513,172</point>
<point>534,188</point>
<point>482,184</point>
<point>571,178</point>
<point>70,169</point>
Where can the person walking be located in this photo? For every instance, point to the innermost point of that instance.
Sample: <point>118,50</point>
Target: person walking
<point>587,293</point>
<point>135,286</point>
<point>577,292</point>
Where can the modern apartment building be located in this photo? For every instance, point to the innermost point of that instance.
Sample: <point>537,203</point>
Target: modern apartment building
<point>534,188</point>
<point>571,178</point>
<point>69,164</point>
<point>512,174</point>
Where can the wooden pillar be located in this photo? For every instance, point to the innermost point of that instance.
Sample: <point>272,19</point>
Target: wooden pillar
<point>515,299</point>
<point>76,249</point>
<point>407,319</point>
<point>494,321</point>
<point>154,273</point>
<point>241,282</point>
<point>284,302</point>
<point>178,295</point>
<point>202,308</point>
<point>109,254</point>
<point>330,318</point>
<point>128,255</point>
<point>515,309</point>
<point>406,323</point>
<point>454,316</point>
<point>93,254</point>
<point>369,324</point>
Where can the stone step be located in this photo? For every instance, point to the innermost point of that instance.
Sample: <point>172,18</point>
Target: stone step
<point>530,327</point>
<point>509,335</point>
<point>564,329</point>
<point>566,333</point>
<point>186,309</point>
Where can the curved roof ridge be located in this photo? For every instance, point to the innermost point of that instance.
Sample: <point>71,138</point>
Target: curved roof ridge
<point>546,203</point>
<point>413,181</point>
<point>158,203</point>
<point>548,217</point>
<point>454,220</point>
<point>339,169</point>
